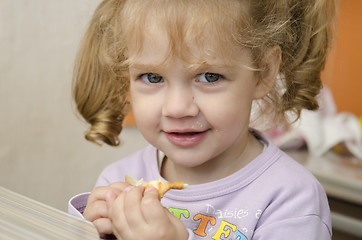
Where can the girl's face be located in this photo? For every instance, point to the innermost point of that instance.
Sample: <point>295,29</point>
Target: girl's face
<point>198,116</point>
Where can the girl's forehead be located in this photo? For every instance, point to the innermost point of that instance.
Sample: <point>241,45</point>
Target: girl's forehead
<point>190,29</point>
<point>158,50</point>
<point>149,46</point>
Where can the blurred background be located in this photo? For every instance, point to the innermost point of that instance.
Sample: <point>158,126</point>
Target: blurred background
<point>43,153</point>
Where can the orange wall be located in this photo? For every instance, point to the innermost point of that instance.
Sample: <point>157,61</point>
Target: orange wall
<point>344,66</point>
<point>129,120</point>
<point>343,73</point>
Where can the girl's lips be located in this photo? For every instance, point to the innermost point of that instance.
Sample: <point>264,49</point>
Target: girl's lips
<point>185,139</point>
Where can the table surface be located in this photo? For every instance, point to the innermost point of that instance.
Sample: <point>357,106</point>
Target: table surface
<point>25,218</point>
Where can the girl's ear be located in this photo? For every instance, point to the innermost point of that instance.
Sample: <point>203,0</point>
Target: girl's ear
<point>268,75</point>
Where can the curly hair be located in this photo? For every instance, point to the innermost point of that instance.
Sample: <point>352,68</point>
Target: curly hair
<point>100,81</point>
<point>302,29</point>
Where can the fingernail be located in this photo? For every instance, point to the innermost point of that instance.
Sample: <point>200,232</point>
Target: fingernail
<point>128,188</point>
<point>149,189</point>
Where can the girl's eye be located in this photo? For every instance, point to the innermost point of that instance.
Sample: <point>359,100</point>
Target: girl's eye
<point>151,78</point>
<point>209,77</point>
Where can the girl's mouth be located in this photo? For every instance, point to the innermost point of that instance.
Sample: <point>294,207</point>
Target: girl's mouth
<point>185,133</point>
<point>185,139</point>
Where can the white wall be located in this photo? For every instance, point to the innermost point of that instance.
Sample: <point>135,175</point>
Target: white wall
<point>43,153</point>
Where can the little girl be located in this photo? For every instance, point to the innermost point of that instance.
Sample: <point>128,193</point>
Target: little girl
<point>195,70</point>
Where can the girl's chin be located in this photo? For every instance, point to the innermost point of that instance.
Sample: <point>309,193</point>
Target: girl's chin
<point>187,159</point>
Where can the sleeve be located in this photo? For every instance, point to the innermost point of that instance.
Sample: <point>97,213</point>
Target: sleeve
<point>308,227</point>
<point>76,204</point>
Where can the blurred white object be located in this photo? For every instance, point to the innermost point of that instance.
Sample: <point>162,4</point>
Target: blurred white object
<point>322,130</point>
<point>325,128</point>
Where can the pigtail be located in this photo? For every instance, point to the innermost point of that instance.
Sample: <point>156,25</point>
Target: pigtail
<point>100,82</point>
<point>308,39</point>
<point>303,30</point>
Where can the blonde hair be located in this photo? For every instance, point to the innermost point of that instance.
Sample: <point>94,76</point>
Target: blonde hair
<point>301,28</point>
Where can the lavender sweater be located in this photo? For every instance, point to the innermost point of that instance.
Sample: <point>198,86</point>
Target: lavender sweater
<point>273,197</point>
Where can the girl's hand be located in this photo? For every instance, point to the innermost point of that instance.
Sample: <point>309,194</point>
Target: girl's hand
<point>138,214</point>
<point>96,210</point>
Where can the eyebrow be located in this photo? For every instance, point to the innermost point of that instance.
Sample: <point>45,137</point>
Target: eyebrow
<point>191,66</point>
<point>205,64</point>
<point>145,66</point>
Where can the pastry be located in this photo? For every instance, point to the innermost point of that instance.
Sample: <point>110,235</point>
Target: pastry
<point>162,187</point>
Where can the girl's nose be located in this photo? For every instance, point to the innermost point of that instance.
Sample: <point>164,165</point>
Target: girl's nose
<point>179,103</point>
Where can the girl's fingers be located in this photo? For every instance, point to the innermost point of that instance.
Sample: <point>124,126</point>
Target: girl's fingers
<point>116,213</point>
<point>151,206</point>
<point>99,193</point>
<point>103,226</point>
<point>138,214</point>
<point>132,206</point>
<point>95,210</point>
<point>96,204</point>
<point>120,186</point>
<point>110,197</point>
<point>126,213</point>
